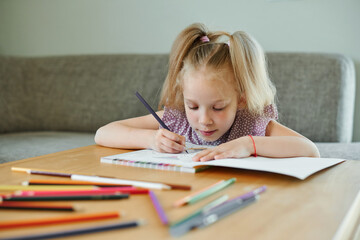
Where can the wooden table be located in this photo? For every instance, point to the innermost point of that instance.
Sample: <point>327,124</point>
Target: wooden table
<point>290,209</point>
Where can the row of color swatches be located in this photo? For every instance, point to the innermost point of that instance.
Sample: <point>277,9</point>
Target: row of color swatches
<point>158,166</point>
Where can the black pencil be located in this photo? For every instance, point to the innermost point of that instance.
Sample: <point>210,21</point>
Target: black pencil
<point>79,231</point>
<point>66,198</point>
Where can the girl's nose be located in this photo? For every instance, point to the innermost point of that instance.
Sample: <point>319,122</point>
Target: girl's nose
<point>205,118</point>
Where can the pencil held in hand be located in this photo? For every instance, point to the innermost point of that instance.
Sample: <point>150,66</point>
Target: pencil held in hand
<point>153,112</point>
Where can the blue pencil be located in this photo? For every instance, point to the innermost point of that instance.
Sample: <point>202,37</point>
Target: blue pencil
<point>78,231</point>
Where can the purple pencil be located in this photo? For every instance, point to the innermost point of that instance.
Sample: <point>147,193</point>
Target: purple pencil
<point>158,208</point>
<point>252,193</point>
<point>244,197</point>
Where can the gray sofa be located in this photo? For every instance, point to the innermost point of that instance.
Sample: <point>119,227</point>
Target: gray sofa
<point>50,104</point>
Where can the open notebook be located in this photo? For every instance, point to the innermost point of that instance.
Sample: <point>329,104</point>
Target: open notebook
<point>300,167</point>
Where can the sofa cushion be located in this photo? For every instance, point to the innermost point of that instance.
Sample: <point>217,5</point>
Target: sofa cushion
<point>15,146</point>
<point>349,151</point>
<point>316,94</point>
<point>76,93</point>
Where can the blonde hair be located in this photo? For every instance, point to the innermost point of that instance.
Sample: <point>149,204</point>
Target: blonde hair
<point>242,53</point>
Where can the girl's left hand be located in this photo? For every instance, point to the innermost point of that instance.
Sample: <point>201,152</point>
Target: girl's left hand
<point>237,148</point>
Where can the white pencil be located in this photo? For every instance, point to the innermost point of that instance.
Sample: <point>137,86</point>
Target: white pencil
<point>98,179</point>
<point>120,181</point>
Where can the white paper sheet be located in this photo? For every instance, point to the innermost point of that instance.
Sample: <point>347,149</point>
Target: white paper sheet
<point>299,167</point>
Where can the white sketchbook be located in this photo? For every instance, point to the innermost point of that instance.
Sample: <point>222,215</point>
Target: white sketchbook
<point>299,167</point>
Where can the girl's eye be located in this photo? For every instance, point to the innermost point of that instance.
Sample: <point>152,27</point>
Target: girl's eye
<point>192,108</point>
<point>218,109</point>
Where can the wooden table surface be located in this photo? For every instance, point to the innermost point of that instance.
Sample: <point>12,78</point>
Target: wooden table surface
<point>290,208</point>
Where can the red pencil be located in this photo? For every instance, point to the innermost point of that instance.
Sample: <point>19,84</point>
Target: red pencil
<point>58,220</point>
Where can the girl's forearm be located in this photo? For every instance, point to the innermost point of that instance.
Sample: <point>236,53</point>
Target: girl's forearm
<point>121,136</point>
<point>285,146</point>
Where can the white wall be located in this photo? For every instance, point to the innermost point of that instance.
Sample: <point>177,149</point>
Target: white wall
<point>59,27</point>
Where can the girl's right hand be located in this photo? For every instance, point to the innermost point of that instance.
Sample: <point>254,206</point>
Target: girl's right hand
<point>168,142</point>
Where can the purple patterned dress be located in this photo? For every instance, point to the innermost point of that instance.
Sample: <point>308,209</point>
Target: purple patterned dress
<point>244,124</point>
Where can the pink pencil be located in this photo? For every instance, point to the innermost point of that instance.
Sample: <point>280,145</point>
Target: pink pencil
<point>125,190</point>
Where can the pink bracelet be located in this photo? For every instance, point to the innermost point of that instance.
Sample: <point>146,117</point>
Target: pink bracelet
<point>255,155</point>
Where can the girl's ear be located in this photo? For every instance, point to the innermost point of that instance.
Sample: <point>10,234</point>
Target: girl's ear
<point>242,102</point>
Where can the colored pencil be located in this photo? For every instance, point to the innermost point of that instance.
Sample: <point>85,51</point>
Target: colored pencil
<point>125,190</point>
<point>184,200</point>
<point>58,220</point>
<point>40,172</point>
<point>67,197</point>
<point>69,182</point>
<point>211,191</point>
<point>103,179</point>
<point>252,193</point>
<point>44,188</point>
<point>205,208</point>
<point>58,234</point>
<point>121,181</point>
<point>160,211</point>
<point>148,107</point>
<point>225,209</point>
<point>37,206</point>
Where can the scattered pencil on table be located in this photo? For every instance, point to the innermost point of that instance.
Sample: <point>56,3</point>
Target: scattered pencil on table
<point>69,182</point>
<point>110,190</point>
<point>98,179</point>
<point>79,231</point>
<point>184,200</point>
<point>208,206</point>
<point>44,188</point>
<point>66,197</point>
<point>160,211</point>
<point>197,196</point>
<point>37,206</point>
<point>59,220</point>
<point>214,211</point>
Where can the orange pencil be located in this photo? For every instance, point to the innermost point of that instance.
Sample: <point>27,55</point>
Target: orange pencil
<point>184,200</point>
<point>58,220</point>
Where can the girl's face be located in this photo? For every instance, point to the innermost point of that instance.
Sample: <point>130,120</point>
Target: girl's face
<point>210,101</point>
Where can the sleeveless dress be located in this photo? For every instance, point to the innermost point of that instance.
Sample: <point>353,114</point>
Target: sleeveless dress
<point>244,124</point>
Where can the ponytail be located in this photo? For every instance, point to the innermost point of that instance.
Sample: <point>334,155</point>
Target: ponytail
<point>185,41</point>
<point>250,70</point>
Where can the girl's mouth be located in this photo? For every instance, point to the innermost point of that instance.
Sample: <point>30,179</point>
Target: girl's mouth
<point>207,133</point>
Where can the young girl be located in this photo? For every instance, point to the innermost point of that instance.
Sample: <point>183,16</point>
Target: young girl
<point>216,93</point>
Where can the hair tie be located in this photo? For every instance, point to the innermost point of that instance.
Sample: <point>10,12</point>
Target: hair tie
<point>204,39</point>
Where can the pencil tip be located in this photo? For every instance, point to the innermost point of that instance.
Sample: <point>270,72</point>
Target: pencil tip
<point>141,222</point>
<point>25,183</point>
<point>122,214</point>
<point>78,208</point>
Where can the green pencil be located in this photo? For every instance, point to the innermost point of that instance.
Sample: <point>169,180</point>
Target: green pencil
<point>211,191</point>
<point>65,198</point>
<point>208,206</point>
